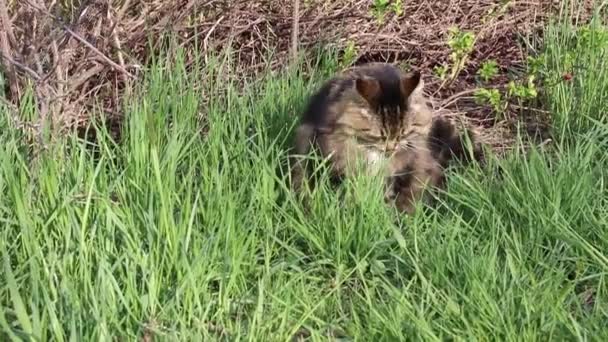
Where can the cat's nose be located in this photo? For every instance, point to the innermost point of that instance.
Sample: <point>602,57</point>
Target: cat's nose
<point>391,145</point>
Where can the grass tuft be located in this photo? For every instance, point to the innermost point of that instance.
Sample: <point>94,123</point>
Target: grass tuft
<point>185,230</point>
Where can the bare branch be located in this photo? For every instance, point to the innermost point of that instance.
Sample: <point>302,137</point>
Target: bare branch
<point>6,23</point>
<point>84,41</point>
<point>294,30</point>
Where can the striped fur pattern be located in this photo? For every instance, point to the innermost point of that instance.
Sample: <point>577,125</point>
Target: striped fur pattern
<point>377,115</point>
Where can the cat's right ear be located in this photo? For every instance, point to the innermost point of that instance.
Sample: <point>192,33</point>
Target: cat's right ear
<point>368,88</point>
<point>411,82</point>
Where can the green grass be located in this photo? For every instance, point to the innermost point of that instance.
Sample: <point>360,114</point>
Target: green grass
<point>582,52</point>
<point>185,230</point>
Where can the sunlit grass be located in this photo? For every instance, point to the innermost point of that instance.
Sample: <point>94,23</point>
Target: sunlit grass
<point>185,230</point>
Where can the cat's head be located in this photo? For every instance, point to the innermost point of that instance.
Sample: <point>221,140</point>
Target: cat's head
<point>389,101</point>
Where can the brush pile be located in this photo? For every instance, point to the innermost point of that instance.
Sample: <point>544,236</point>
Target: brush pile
<point>79,57</point>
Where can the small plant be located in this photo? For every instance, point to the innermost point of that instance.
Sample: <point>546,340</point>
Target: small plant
<point>536,64</point>
<point>594,37</point>
<point>441,71</point>
<point>492,97</point>
<point>350,54</point>
<point>397,7</point>
<point>515,90</point>
<point>462,44</point>
<point>523,91</point>
<point>488,70</point>
<point>381,7</point>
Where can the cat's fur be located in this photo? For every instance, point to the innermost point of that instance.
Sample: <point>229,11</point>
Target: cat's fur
<point>376,114</point>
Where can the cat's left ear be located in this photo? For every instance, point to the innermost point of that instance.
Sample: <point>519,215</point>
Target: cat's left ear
<point>411,82</point>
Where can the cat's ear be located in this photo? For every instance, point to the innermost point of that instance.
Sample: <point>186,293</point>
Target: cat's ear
<point>368,88</point>
<point>411,82</point>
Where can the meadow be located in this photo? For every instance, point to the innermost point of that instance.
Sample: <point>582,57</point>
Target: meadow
<point>186,230</point>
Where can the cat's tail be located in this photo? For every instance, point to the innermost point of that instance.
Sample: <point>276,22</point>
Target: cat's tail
<point>446,145</point>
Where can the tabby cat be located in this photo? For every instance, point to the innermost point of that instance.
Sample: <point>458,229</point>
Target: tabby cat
<point>377,114</point>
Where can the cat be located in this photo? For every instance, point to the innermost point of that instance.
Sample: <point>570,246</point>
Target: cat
<point>378,115</point>
<point>423,166</point>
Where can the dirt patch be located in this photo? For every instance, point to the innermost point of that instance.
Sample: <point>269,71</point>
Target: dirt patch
<point>86,55</point>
